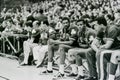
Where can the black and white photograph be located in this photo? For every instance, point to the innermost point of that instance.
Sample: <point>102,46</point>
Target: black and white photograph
<point>59,39</point>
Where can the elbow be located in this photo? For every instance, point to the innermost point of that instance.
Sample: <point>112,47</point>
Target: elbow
<point>70,43</point>
<point>107,47</point>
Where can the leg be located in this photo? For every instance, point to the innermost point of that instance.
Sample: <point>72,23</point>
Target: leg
<point>102,59</point>
<point>26,49</point>
<point>42,52</point>
<point>51,49</point>
<point>79,54</point>
<point>91,59</point>
<point>72,57</point>
<point>36,52</point>
<point>113,64</point>
<point>28,46</point>
<point>62,50</point>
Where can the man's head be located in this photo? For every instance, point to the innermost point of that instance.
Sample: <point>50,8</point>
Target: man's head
<point>9,23</point>
<point>100,23</point>
<point>36,24</point>
<point>41,11</point>
<point>80,23</point>
<point>65,22</point>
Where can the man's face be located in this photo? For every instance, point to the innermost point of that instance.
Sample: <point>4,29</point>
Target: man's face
<point>9,24</point>
<point>96,26</point>
<point>80,24</point>
<point>65,23</point>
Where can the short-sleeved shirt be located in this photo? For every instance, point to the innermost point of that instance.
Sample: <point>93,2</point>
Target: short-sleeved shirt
<point>73,32</point>
<point>112,34</point>
<point>65,35</point>
<point>35,33</point>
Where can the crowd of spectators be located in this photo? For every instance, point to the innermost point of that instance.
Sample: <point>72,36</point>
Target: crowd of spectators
<point>82,28</point>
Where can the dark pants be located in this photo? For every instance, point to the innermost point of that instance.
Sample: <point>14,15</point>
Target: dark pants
<point>91,59</point>
<point>62,49</point>
<point>79,54</point>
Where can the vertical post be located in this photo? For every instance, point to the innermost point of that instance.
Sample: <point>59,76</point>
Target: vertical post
<point>4,45</point>
<point>1,4</point>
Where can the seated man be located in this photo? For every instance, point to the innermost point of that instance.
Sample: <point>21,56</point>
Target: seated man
<point>79,52</point>
<point>40,51</point>
<point>31,42</point>
<point>114,56</point>
<point>65,42</point>
<point>95,45</point>
<point>103,52</point>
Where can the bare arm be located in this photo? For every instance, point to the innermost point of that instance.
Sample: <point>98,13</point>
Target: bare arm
<point>107,45</point>
<point>95,45</point>
<point>51,41</point>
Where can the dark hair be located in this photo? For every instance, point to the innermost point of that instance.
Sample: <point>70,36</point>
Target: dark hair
<point>81,20</point>
<point>60,17</point>
<point>66,18</point>
<point>101,20</point>
<point>10,20</point>
<point>41,11</point>
<point>38,23</point>
<point>29,23</point>
<point>46,22</point>
<point>29,10</point>
<point>110,17</point>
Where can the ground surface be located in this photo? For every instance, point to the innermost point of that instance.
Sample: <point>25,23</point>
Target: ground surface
<point>9,69</point>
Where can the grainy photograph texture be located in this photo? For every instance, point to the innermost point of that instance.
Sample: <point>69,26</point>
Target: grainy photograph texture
<point>59,39</point>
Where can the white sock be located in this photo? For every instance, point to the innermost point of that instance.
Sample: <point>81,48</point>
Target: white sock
<point>111,77</point>
<point>74,68</point>
<point>80,70</point>
<point>61,69</point>
<point>49,66</point>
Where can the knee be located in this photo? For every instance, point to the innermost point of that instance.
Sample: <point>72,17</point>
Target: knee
<point>50,47</point>
<point>45,48</point>
<point>35,49</point>
<point>71,52</point>
<point>25,42</point>
<point>61,46</point>
<point>114,57</point>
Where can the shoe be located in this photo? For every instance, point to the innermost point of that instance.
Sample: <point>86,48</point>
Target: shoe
<point>91,78</point>
<point>59,75</point>
<point>47,72</point>
<point>39,65</point>
<point>72,75</point>
<point>79,77</point>
<point>23,64</point>
<point>34,62</point>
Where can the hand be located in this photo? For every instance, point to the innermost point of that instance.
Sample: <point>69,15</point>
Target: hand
<point>102,47</point>
<point>51,41</point>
